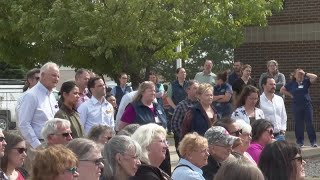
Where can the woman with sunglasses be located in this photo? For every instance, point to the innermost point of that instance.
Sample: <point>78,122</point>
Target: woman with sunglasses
<point>244,133</point>
<point>55,163</point>
<point>89,156</point>
<point>69,95</point>
<point>282,160</point>
<point>14,157</point>
<point>262,134</point>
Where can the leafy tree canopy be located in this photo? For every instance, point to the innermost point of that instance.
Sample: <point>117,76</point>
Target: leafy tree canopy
<point>120,35</point>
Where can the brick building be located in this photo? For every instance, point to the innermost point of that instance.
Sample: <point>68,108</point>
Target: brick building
<point>292,37</point>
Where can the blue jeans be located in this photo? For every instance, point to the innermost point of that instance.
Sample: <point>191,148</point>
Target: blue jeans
<point>280,137</point>
<point>303,114</point>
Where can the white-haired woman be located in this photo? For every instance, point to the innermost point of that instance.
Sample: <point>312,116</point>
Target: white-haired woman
<point>194,152</point>
<point>152,139</point>
<point>143,109</point>
<point>89,156</point>
<point>244,133</point>
<point>122,158</point>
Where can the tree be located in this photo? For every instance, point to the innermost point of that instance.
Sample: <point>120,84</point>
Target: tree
<point>114,36</point>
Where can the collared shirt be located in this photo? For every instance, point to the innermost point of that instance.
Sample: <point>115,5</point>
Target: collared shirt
<point>210,78</point>
<point>38,106</point>
<point>279,78</point>
<point>83,97</point>
<point>240,113</point>
<point>185,173</point>
<point>93,112</point>
<point>274,111</point>
<point>178,114</point>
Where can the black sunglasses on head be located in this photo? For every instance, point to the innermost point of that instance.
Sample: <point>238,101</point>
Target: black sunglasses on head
<point>21,150</point>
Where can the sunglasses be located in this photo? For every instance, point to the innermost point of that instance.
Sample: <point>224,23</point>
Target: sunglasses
<point>2,139</point>
<point>21,150</point>
<point>97,162</point>
<point>298,159</point>
<point>73,170</point>
<point>67,134</point>
<point>237,133</point>
<point>270,131</point>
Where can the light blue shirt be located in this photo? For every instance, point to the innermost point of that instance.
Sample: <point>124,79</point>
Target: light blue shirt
<point>38,105</point>
<point>93,112</point>
<point>186,173</point>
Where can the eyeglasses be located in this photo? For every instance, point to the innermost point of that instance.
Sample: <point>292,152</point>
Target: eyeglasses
<point>67,134</point>
<point>21,150</point>
<point>299,158</point>
<point>2,139</point>
<point>237,133</point>
<point>270,131</point>
<point>73,170</point>
<point>97,162</point>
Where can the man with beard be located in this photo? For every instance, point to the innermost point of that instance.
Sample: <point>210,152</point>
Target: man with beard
<point>236,73</point>
<point>273,107</point>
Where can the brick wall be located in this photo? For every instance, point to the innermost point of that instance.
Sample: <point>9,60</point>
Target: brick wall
<point>293,39</point>
<point>290,55</point>
<point>297,12</point>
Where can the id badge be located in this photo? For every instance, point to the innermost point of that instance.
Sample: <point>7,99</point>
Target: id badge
<point>157,120</point>
<point>300,86</point>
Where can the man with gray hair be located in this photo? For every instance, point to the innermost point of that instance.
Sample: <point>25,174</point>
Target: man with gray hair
<point>56,131</point>
<point>39,105</point>
<point>220,146</point>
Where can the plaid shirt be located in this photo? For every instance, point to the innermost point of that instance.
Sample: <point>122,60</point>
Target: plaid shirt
<point>178,115</point>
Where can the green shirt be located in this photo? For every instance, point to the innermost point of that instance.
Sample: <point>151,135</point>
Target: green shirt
<point>73,116</point>
<point>206,78</point>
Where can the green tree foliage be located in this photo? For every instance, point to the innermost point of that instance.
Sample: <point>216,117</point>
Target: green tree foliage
<point>8,71</point>
<point>120,35</point>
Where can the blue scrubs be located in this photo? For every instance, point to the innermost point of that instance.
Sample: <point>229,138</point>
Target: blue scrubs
<point>224,109</point>
<point>302,110</point>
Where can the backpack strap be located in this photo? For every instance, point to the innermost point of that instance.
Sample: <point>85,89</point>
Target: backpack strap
<point>182,165</point>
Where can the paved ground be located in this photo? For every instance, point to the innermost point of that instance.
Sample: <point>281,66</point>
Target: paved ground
<point>312,155</point>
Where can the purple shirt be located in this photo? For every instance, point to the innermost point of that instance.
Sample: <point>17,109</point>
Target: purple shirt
<point>129,114</point>
<point>255,150</point>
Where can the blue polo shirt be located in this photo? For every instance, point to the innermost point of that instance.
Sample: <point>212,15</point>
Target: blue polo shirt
<point>300,92</point>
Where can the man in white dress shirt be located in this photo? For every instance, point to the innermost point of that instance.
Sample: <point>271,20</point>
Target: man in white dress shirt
<point>39,105</point>
<point>273,107</point>
<point>97,110</point>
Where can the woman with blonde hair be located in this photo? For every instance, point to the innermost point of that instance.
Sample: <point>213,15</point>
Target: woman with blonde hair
<point>143,109</point>
<point>152,139</point>
<point>194,155</point>
<point>200,117</point>
<point>55,163</point>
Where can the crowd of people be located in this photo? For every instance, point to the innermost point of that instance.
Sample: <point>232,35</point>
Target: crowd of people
<point>225,126</point>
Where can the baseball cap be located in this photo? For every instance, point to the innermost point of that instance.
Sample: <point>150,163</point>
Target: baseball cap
<point>218,134</point>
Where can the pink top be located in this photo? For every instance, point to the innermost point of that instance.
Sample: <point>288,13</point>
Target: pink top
<point>129,114</point>
<point>20,177</point>
<point>255,150</point>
